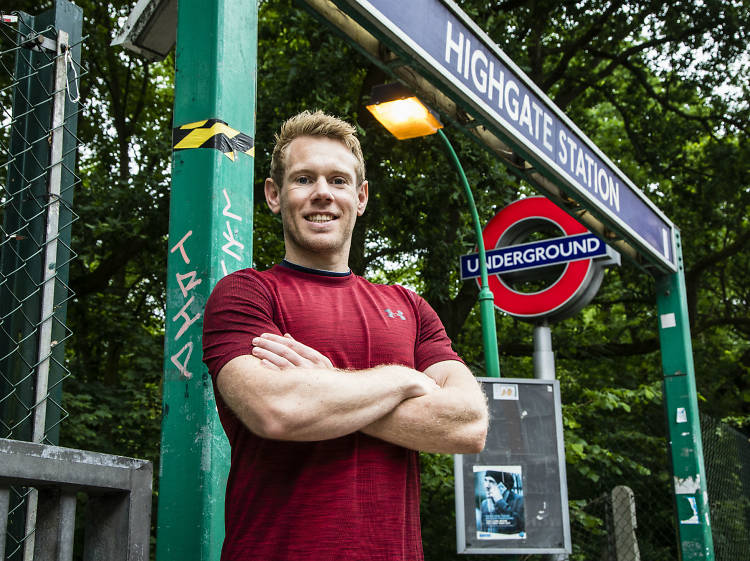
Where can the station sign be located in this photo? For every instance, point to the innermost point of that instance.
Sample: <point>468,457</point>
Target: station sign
<point>535,255</point>
<point>467,65</point>
<point>580,253</point>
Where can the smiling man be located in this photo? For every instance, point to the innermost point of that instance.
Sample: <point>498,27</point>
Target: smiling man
<point>328,385</point>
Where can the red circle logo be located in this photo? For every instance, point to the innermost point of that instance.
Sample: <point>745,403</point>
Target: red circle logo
<point>565,290</point>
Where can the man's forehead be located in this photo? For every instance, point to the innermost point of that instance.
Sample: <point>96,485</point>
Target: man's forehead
<point>319,154</point>
<point>319,147</point>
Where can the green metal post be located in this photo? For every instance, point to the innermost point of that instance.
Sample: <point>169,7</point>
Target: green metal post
<point>486,299</point>
<point>681,407</point>
<point>210,235</point>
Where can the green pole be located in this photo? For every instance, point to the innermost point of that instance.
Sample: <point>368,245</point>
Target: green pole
<point>210,235</point>
<point>486,299</point>
<point>683,423</point>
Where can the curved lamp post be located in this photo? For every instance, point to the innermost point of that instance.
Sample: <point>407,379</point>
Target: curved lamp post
<point>401,112</point>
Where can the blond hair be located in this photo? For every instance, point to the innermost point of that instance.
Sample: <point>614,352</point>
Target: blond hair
<point>315,123</point>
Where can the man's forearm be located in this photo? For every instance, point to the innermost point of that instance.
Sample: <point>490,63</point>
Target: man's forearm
<point>451,420</point>
<point>432,423</point>
<point>312,403</point>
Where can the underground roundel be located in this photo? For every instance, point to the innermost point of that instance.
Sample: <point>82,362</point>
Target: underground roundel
<point>580,254</point>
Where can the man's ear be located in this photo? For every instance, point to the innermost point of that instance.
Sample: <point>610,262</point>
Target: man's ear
<point>362,196</point>
<point>273,195</point>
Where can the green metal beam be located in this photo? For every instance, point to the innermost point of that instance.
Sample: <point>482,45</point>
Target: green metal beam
<point>683,423</point>
<point>210,235</point>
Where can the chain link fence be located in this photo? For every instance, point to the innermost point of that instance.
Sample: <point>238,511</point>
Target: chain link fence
<point>620,526</point>
<point>726,453</point>
<point>612,528</point>
<point>39,71</point>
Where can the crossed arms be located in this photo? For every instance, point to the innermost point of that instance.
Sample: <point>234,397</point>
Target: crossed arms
<point>289,391</point>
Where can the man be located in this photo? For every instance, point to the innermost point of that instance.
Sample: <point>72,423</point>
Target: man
<point>326,384</point>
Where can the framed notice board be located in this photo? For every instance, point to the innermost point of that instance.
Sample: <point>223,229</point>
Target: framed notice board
<point>512,497</point>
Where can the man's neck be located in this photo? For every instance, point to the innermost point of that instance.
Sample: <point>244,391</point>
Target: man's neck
<point>324,272</point>
<point>333,266</point>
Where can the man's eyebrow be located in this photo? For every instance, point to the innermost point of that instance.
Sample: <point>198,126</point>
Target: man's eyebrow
<point>334,171</point>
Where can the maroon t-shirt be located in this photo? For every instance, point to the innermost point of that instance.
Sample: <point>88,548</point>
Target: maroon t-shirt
<point>349,498</point>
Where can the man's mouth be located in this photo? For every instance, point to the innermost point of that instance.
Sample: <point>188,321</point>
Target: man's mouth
<point>320,218</point>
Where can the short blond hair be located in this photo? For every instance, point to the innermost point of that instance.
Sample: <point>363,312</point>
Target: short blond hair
<point>315,123</point>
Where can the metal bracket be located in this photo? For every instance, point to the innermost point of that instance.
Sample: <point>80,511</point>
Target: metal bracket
<point>39,43</point>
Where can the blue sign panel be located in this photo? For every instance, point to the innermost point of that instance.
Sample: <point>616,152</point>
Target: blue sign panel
<point>438,35</point>
<point>534,255</point>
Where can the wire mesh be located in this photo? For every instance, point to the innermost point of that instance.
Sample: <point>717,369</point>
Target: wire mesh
<point>726,453</point>
<point>588,529</point>
<point>37,182</point>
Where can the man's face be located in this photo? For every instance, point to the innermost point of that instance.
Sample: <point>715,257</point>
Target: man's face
<point>492,489</point>
<point>319,200</point>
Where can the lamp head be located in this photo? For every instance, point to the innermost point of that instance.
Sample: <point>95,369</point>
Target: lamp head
<point>401,112</point>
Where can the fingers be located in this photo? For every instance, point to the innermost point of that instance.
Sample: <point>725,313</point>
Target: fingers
<point>287,352</point>
<point>421,384</point>
<point>268,364</point>
<point>272,360</point>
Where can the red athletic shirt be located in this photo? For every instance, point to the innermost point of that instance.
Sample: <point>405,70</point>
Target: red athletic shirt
<point>350,498</point>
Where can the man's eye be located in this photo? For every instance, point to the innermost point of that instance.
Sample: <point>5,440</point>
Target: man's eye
<point>303,180</point>
<point>339,181</point>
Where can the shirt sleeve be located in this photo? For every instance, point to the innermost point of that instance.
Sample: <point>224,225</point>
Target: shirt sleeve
<point>239,309</point>
<point>433,344</point>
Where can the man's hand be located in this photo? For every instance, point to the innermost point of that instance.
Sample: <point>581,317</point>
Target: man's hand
<point>278,353</point>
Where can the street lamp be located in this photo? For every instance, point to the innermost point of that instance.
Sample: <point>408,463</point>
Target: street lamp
<point>401,112</point>
<point>151,29</point>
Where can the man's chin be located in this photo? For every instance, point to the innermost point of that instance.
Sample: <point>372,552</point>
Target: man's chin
<point>319,245</point>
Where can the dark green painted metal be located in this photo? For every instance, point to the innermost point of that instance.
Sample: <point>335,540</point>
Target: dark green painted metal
<point>210,234</point>
<point>683,423</point>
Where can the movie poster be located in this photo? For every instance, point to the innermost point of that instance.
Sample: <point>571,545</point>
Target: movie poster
<point>498,500</point>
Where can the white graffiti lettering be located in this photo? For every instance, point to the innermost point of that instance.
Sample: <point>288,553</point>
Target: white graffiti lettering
<point>182,366</point>
<point>188,320</point>
<point>192,283</point>
<point>187,282</point>
<point>229,235</point>
<point>181,245</point>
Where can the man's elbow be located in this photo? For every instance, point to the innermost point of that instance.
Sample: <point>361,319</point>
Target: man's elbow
<point>273,422</point>
<point>476,430</point>
<point>271,429</point>
<point>467,438</point>
<point>474,438</point>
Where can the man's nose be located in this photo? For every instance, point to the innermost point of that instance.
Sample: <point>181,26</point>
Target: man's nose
<point>322,190</point>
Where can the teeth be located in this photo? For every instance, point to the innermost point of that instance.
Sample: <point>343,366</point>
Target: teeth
<point>319,218</point>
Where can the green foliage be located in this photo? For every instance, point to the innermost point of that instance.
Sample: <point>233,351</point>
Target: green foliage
<point>438,507</point>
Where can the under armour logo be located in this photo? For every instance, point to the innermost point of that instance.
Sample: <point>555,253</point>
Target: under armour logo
<point>397,314</point>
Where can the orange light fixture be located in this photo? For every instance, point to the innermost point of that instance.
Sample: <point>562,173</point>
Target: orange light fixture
<point>401,112</point>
